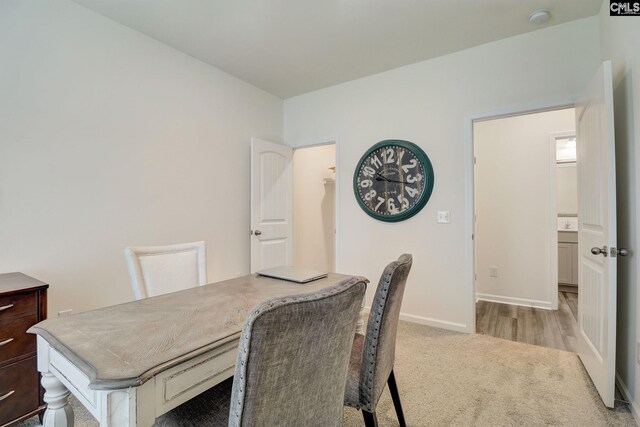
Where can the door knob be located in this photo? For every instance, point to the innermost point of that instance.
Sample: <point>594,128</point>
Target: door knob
<point>257,232</point>
<point>599,251</point>
<point>623,252</point>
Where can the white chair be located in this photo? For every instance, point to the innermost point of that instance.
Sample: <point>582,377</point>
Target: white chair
<point>157,270</point>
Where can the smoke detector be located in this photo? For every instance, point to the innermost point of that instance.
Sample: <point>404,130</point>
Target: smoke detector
<point>539,16</point>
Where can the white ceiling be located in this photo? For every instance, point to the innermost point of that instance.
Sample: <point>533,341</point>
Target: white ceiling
<point>289,47</point>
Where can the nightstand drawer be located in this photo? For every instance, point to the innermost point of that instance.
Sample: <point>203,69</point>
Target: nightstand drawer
<point>14,339</point>
<point>18,305</point>
<point>18,389</point>
<point>23,303</point>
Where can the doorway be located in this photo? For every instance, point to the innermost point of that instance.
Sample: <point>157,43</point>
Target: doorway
<point>314,207</point>
<point>567,208</point>
<point>598,249</point>
<point>518,247</point>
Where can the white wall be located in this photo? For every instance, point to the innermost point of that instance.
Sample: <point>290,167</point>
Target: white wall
<point>567,188</point>
<point>314,207</point>
<point>109,138</point>
<point>428,103</point>
<point>620,37</point>
<point>515,207</point>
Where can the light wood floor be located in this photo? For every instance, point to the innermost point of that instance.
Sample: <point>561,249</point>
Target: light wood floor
<point>546,328</point>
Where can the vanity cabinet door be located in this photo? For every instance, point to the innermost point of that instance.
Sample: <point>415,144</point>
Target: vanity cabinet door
<point>574,264</point>
<point>565,263</point>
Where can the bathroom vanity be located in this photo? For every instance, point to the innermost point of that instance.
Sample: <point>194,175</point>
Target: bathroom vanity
<point>568,257</point>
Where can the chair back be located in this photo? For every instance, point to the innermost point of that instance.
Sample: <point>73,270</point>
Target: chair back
<point>157,270</point>
<point>380,341</point>
<point>293,358</point>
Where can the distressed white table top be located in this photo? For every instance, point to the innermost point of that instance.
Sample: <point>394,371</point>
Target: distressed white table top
<point>124,345</point>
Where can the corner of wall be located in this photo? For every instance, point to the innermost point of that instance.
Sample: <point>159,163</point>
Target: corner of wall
<point>602,16</point>
<point>633,405</point>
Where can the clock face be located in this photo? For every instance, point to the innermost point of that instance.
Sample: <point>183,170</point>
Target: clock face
<point>393,180</point>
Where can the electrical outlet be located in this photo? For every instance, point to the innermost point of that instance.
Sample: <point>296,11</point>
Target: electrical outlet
<point>493,271</point>
<point>638,353</point>
<point>64,313</point>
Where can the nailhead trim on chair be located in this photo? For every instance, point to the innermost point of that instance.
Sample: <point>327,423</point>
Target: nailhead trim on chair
<point>366,386</point>
<point>367,397</point>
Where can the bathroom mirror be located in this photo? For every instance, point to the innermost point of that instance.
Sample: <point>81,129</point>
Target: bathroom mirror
<point>567,177</point>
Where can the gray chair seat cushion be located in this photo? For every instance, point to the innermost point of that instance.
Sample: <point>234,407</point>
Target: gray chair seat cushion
<point>352,389</point>
<point>208,409</point>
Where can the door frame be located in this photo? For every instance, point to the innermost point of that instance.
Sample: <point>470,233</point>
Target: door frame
<point>553,171</point>
<point>469,247</point>
<point>316,142</point>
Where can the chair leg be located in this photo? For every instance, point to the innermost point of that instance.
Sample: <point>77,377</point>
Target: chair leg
<point>395,396</point>
<point>370,419</point>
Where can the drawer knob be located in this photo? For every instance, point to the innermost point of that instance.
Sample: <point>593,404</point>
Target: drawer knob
<point>5,307</point>
<point>5,342</point>
<point>4,396</point>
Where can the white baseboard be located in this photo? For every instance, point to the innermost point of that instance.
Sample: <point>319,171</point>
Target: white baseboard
<point>443,324</point>
<point>436,323</point>
<point>627,396</point>
<point>514,301</point>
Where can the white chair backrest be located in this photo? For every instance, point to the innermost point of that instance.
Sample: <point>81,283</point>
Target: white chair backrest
<point>157,270</point>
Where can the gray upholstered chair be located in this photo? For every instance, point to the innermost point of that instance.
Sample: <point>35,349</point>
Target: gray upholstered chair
<point>373,355</point>
<point>291,368</point>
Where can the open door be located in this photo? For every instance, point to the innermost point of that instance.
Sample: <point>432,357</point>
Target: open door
<point>597,258</point>
<point>271,205</point>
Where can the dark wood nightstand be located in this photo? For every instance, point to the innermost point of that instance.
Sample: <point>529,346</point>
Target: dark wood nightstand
<point>23,303</point>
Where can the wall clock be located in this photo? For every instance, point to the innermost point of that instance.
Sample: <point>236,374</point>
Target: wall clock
<point>393,180</point>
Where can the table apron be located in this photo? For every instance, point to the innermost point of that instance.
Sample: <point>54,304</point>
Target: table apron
<point>183,382</point>
<point>140,406</point>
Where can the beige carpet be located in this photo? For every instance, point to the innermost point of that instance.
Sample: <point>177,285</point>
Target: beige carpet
<point>446,378</point>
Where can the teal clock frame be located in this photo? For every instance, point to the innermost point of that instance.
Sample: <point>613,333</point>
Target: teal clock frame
<point>429,181</point>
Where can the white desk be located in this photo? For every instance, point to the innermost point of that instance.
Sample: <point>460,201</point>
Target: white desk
<point>129,364</point>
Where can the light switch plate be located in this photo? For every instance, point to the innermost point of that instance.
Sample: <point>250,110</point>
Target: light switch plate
<point>444,217</point>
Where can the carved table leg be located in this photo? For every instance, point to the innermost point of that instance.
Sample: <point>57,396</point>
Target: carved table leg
<point>59,413</point>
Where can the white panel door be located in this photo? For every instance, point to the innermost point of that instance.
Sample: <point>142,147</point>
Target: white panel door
<point>271,205</point>
<point>597,233</point>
